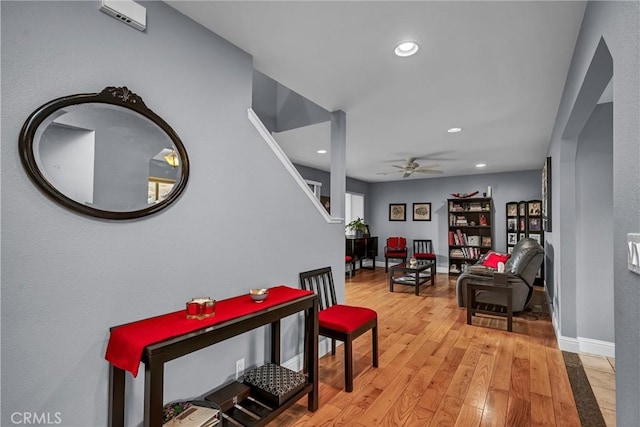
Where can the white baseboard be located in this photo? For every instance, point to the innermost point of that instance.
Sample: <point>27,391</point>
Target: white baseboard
<point>568,344</point>
<point>597,347</point>
<point>296,362</point>
<point>583,345</point>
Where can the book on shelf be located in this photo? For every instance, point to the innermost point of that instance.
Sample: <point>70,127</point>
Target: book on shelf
<point>456,253</point>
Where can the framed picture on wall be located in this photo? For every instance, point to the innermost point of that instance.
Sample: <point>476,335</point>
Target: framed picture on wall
<point>534,224</point>
<point>534,209</point>
<point>397,211</point>
<point>422,211</point>
<point>522,208</point>
<point>512,238</point>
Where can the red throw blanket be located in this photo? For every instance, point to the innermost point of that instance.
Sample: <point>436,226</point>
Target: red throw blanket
<point>127,342</point>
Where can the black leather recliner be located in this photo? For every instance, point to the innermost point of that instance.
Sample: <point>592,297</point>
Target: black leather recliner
<point>521,269</point>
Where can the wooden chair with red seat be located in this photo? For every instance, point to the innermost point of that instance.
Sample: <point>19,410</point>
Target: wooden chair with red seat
<point>396,248</point>
<point>423,250</point>
<point>350,265</point>
<point>340,322</point>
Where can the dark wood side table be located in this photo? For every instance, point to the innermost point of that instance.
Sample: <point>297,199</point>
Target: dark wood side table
<point>418,273</point>
<point>474,307</point>
<point>156,355</point>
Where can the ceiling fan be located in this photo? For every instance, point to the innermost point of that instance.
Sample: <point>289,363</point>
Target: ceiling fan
<point>410,167</point>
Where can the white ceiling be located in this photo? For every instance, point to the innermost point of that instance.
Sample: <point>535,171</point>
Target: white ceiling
<point>495,69</point>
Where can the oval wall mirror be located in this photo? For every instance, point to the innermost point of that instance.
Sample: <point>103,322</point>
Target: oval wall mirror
<point>104,154</point>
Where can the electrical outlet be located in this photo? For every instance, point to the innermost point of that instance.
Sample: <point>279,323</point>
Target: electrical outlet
<point>239,368</point>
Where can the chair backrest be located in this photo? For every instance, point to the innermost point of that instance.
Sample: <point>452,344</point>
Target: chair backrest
<point>396,243</point>
<point>525,260</point>
<point>320,281</point>
<point>422,246</point>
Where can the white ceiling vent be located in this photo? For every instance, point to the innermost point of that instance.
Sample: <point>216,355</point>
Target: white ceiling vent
<point>127,11</point>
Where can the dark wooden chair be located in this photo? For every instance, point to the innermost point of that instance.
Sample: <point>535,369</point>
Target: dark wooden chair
<point>350,265</point>
<point>340,322</point>
<point>423,250</point>
<point>396,248</point>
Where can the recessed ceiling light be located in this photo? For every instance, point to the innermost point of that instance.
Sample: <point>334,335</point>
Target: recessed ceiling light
<point>406,49</point>
<point>454,130</point>
<point>321,151</point>
<point>481,165</point>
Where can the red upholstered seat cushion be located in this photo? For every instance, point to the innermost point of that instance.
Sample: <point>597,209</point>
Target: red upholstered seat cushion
<point>347,259</point>
<point>345,318</point>
<point>493,258</point>
<point>424,255</point>
<point>392,254</point>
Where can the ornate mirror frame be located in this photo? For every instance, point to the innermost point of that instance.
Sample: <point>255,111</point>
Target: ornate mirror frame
<point>114,96</point>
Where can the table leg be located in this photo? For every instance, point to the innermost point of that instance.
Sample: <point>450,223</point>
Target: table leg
<point>509,311</point>
<point>275,342</point>
<point>417,283</point>
<point>391,280</point>
<point>153,389</point>
<point>116,396</point>
<point>470,302</point>
<point>311,337</point>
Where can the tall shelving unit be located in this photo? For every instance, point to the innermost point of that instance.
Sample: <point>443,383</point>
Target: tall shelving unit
<point>470,231</point>
<point>524,219</point>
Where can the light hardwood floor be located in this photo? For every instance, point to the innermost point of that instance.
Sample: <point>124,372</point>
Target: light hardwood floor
<point>601,372</point>
<point>435,370</point>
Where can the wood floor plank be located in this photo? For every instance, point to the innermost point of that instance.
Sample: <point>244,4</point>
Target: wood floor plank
<point>539,373</point>
<point>564,405</point>
<point>435,370</point>
<point>542,411</point>
<point>479,387</point>
<point>495,408</point>
<point>502,372</point>
<point>518,412</point>
<point>387,399</point>
<point>447,412</point>
<point>437,388</point>
<point>469,416</point>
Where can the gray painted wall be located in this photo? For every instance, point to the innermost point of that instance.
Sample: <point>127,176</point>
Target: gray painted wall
<point>618,25</point>
<point>594,226</point>
<point>67,278</point>
<point>281,109</point>
<point>353,185</point>
<point>506,187</point>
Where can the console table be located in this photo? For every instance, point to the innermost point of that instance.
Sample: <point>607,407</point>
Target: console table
<point>361,248</point>
<point>156,355</point>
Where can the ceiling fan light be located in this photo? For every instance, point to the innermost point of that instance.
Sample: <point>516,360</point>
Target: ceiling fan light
<point>172,159</point>
<point>406,49</point>
<point>454,130</point>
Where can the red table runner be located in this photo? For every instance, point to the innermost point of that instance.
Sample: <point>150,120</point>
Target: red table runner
<point>127,342</point>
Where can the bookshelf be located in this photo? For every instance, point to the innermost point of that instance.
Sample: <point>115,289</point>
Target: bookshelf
<point>470,231</point>
<point>524,219</point>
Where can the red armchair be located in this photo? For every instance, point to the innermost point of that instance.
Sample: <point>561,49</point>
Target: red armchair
<point>340,322</point>
<point>396,248</point>
<point>423,250</point>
